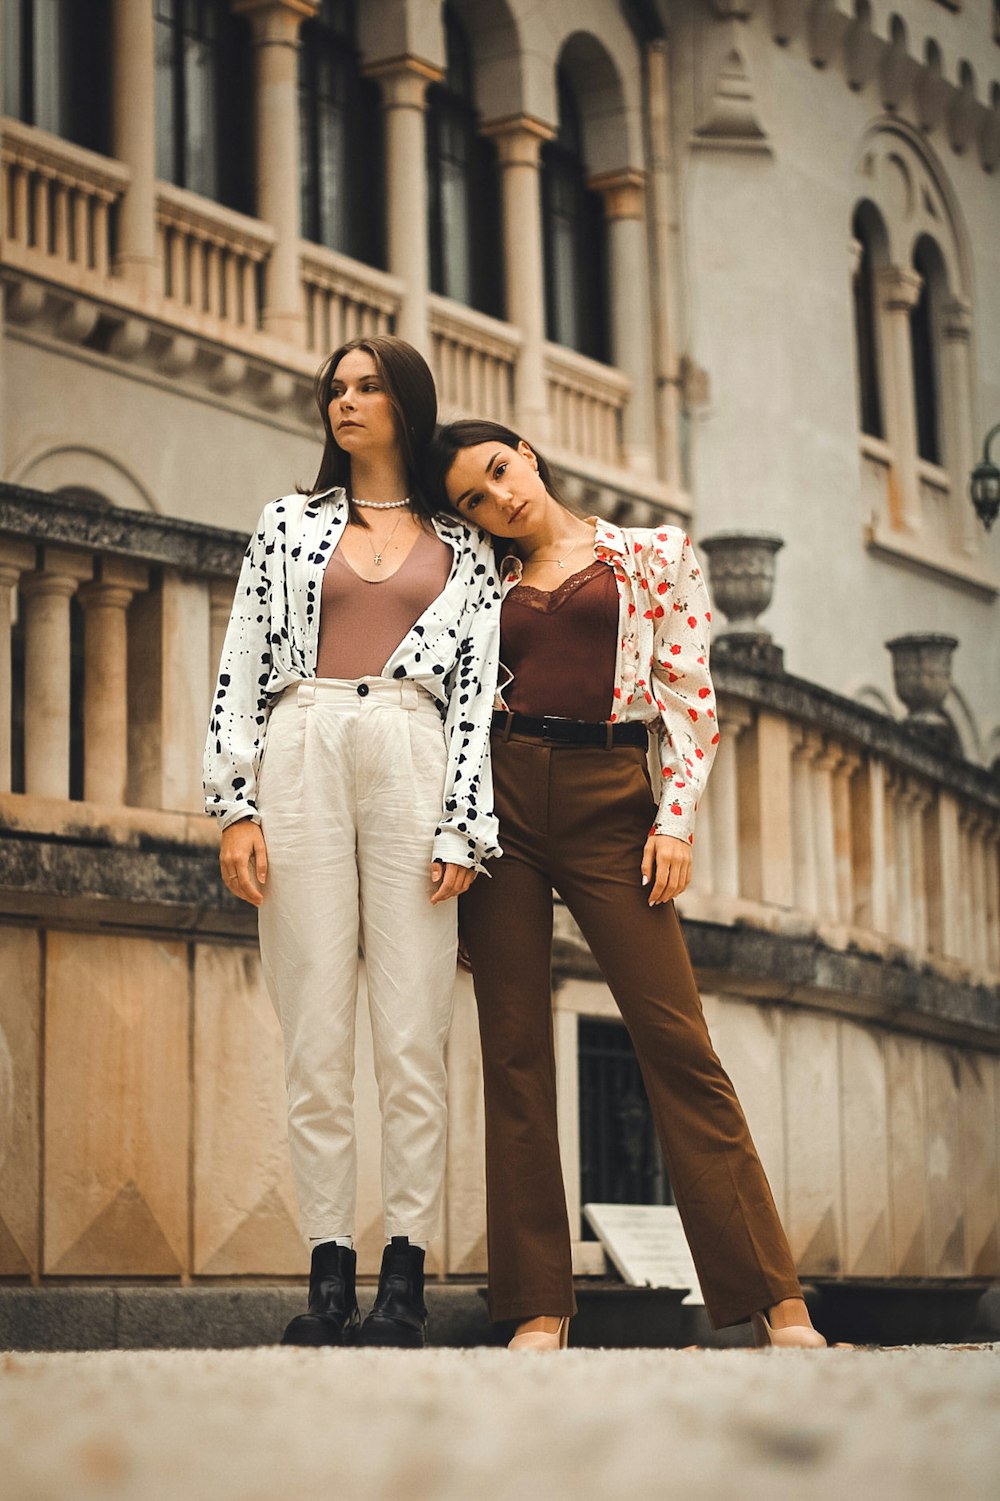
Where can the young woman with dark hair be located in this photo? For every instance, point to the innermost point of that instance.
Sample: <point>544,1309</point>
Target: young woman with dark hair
<point>604,643</point>
<point>348,760</point>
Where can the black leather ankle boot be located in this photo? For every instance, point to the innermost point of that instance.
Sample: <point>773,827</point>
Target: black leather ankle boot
<point>333,1316</point>
<point>398,1316</point>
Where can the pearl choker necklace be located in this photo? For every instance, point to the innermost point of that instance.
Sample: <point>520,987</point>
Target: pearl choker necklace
<point>380,505</point>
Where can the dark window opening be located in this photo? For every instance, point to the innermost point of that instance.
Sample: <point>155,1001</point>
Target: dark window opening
<point>464,212</point>
<point>620,1158</point>
<point>57,68</point>
<point>923,340</point>
<point>204,101</point>
<point>340,135</point>
<point>866,335</point>
<point>17,696</point>
<point>575,238</point>
<point>76,689</point>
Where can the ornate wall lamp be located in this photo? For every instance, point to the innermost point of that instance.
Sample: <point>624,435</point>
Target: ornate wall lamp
<point>984,484</point>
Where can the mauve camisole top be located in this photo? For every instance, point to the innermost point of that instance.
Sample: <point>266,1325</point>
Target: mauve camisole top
<point>362,623</point>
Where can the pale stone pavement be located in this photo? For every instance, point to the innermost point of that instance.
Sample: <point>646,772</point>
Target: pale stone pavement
<point>482,1425</point>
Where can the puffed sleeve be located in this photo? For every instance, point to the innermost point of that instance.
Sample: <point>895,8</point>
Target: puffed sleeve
<point>682,685</point>
<point>467,833</point>
<point>241,704</point>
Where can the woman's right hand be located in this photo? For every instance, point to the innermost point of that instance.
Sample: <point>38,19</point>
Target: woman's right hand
<point>243,860</point>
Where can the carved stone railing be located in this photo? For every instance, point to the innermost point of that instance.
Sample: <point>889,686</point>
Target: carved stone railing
<point>823,817</point>
<point>212,259</point>
<point>475,362</point>
<point>586,403</point>
<point>58,200</point>
<point>342,299</point>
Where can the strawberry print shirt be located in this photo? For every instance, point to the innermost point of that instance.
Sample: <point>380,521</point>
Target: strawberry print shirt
<point>661,675</point>
<point>272,642</point>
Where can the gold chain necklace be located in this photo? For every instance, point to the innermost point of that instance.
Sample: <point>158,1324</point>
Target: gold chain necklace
<point>561,562</point>
<point>377,556</point>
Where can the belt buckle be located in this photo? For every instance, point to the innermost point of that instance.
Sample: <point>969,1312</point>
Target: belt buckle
<point>550,730</point>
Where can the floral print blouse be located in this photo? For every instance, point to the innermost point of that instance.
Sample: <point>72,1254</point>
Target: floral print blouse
<point>661,675</point>
<point>272,642</point>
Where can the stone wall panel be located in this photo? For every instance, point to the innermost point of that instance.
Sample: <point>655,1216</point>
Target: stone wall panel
<point>864,1116</point>
<point>116,1106</point>
<point>810,1074</point>
<point>907,1156</point>
<point>20,1063</point>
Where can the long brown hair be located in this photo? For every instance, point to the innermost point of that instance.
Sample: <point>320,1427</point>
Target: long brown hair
<point>409,385</point>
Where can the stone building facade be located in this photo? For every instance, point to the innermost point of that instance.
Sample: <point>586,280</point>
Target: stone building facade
<point>727,262</point>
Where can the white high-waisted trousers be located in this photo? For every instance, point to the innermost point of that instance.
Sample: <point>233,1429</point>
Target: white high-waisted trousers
<point>350,793</point>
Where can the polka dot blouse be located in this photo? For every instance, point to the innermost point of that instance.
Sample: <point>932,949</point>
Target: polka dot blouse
<point>272,640</point>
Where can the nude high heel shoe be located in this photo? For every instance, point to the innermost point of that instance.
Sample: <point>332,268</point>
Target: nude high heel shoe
<point>794,1337</point>
<point>539,1339</point>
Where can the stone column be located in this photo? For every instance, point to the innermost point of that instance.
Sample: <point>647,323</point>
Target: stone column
<point>404,89</point>
<point>628,275</point>
<point>16,558</point>
<point>843,842</point>
<point>519,143</point>
<point>134,137</point>
<point>723,785</point>
<point>804,841</point>
<point>959,439</point>
<point>46,670</point>
<point>826,868</point>
<point>276,42</point>
<point>899,291</point>
<point>105,693</point>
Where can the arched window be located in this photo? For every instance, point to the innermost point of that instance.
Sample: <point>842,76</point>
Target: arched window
<point>340,126</point>
<point>56,67</point>
<point>204,99</point>
<point>575,238</point>
<point>866,229</point>
<point>463,186</point>
<point>928,264</point>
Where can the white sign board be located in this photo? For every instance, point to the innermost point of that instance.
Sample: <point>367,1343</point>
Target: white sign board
<point>647,1244</point>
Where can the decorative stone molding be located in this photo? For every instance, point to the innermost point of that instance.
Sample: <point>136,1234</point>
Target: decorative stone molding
<point>963,116</point>
<point>624,193</point>
<point>741,568</point>
<point>787,19</point>
<point>825,31</point>
<point>900,287</point>
<point>861,53</point>
<point>731,123</point>
<point>921,672</point>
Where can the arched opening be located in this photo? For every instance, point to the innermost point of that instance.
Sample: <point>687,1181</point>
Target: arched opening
<point>204,100</point>
<point>575,238</point>
<point>57,67</point>
<point>924,342</point>
<point>464,201</point>
<point>869,232</point>
<point>340,135</point>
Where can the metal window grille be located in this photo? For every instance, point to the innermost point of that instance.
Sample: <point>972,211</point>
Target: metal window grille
<point>620,1159</point>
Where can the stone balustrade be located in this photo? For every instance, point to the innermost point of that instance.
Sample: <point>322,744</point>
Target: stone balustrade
<point>587,402</point>
<point>475,362</point>
<point>342,299</point>
<point>58,200</point>
<point>211,260</point>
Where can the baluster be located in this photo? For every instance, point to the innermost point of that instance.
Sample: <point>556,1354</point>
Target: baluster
<point>231,306</point>
<point>921,798</point>
<point>16,558</point>
<point>803,827</point>
<point>843,835</point>
<point>60,220</point>
<point>213,279</point>
<point>725,824</point>
<point>21,233</point>
<point>196,265</point>
<point>105,702</point>
<point>40,195</point>
<point>47,670</point>
<point>102,234</point>
<point>822,795</point>
<point>82,252</point>
<point>992,853</point>
<point>178,265</point>
<point>251,315</point>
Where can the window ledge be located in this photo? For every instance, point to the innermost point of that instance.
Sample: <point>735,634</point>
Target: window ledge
<point>929,556</point>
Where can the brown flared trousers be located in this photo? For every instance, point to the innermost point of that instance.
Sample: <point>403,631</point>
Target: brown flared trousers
<point>576,819</point>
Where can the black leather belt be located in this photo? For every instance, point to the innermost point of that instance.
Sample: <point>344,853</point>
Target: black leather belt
<point>554,731</point>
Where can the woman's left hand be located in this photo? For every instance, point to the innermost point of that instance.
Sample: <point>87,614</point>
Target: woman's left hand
<point>450,880</point>
<point>666,864</point>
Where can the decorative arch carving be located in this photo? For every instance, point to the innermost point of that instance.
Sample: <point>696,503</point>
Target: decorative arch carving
<point>79,468</point>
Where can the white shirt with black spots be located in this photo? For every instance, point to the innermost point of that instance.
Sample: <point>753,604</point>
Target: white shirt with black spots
<point>272,641</point>
<point>661,674</point>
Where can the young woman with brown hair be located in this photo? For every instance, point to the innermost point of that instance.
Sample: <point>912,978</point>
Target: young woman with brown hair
<point>348,760</point>
<point>604,642</point>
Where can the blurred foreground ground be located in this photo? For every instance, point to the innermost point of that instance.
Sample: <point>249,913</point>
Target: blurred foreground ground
<point>481,1425</point>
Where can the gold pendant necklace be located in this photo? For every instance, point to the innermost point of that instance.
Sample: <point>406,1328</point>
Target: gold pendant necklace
<point>561,562</point>
<point>377,556</point>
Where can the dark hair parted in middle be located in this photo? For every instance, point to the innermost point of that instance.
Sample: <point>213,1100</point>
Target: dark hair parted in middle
<point>451,439</point>
<point>409,385</point>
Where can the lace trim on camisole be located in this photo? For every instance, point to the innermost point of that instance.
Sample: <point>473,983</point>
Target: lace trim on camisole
<point>547,600</point>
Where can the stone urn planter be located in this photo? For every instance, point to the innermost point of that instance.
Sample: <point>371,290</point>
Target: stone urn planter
<point>921,673</point>
<point>741,568</point>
